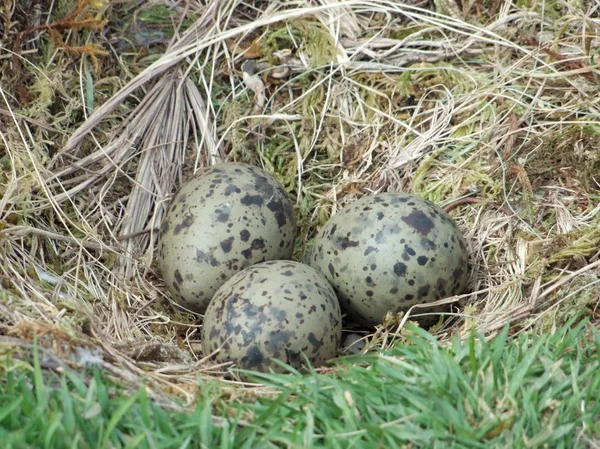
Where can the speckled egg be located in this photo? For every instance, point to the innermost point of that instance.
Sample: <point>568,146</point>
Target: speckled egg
<point>387,252</point>
<point>277,309</point>
<point>225,218</point>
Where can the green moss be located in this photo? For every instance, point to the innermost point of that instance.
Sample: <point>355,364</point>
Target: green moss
<point>436,185</point>
<point>580,243</point>
<point>310,36</point>
<point>574,297</point>
<point>402,32</point>
<point>560,251</point>
<point>590,130</point>
<point>420,186</point>
<point>476,174</point>
<point>233,128</point>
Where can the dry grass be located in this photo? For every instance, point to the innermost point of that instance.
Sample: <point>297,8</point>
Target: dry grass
<point>490,111</point>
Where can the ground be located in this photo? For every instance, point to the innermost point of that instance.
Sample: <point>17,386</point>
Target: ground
<point>487,108</point>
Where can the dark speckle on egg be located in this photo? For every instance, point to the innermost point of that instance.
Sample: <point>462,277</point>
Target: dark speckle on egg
<point>347,243</point>
<point>399,269</point>
<point>256,245</point>
<point>185,224</point>
<point>227,244</point>
<point>231,190</point>
<point>370,249</point>
<point>164,227</point>
<point>331,269</point>
<point>252,200</point>
<point>280,213</point>
<point>253,357</point>
<point>419,222</point>
<point>178,277</point>
<point>222,217</point>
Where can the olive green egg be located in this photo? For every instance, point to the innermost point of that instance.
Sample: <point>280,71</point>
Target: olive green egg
<point>277,309</point>
<point>387,252</point>
<point>224,219</point>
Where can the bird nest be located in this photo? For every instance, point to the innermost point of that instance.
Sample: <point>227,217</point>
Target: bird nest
<point>492,114</point>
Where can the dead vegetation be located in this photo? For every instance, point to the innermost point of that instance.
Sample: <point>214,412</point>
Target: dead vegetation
<point>488,109</point>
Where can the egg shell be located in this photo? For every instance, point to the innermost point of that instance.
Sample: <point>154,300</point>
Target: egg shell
<point>276,309</point>
<point>222,220</point>
<point>389,251</point>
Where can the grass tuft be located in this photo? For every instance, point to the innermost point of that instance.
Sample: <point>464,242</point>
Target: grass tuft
<point>533,391</point>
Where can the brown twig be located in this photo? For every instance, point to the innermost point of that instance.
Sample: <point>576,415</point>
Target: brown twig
<point>571,65</point>
<point>69,22</point>
<point>471,200</point>
<point>136,234</point>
